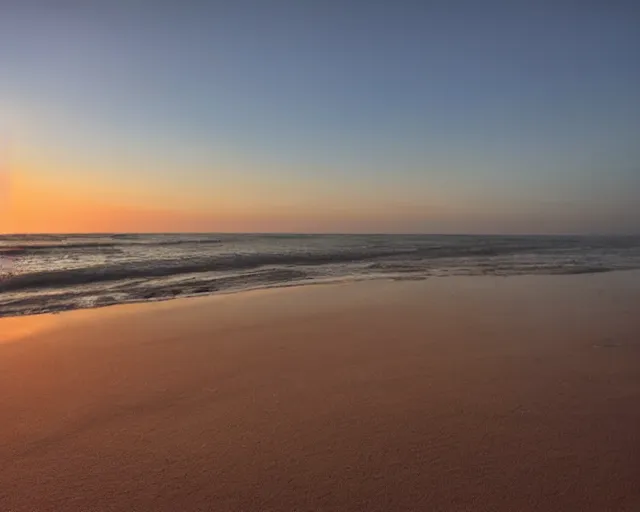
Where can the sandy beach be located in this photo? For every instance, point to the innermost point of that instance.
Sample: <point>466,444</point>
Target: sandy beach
<point>449,394</point>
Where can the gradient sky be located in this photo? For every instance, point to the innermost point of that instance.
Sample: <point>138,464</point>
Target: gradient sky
<point>304,115</point>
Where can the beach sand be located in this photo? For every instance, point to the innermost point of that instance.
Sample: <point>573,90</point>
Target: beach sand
<point>451,394</point>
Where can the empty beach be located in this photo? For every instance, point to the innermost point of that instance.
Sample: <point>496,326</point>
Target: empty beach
<point>469,393</point>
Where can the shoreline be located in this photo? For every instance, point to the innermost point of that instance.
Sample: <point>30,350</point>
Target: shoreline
<point>464,393</point>
<point>101,270</point>
<point>15,322</point>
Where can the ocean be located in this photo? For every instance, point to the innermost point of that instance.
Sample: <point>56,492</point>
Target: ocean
<point>54,273</point>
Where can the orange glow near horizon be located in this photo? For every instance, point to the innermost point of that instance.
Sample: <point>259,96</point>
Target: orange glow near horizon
<point>50,194</point>
<point>30,203</point>
<point>60,195</point>
<point>37,205</point>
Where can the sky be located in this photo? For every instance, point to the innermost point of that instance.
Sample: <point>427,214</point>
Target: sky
<point>320,116</point>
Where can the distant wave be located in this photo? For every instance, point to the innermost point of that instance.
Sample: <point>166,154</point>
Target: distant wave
<point>373,251</point>
<point>51,247</point>
<point>582,270</point>
<point>204,241</point>
<point>40,248</point>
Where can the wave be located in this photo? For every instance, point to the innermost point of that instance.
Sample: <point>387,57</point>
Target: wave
<point>30,249</point>
<point>583,270</point>
<point>372,252</point>
<point>383,263</point>
<point>79,271</point>
<point>205,241</point>
<point>72,246</point>
<point>166,268</point>
<point>144,291</point>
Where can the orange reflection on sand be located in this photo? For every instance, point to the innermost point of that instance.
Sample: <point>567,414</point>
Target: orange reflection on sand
<point>16,328</point>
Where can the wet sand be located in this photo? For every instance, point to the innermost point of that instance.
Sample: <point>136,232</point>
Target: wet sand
<point>452,394</point>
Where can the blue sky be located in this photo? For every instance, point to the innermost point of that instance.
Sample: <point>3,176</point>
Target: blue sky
<point>402,116</point>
